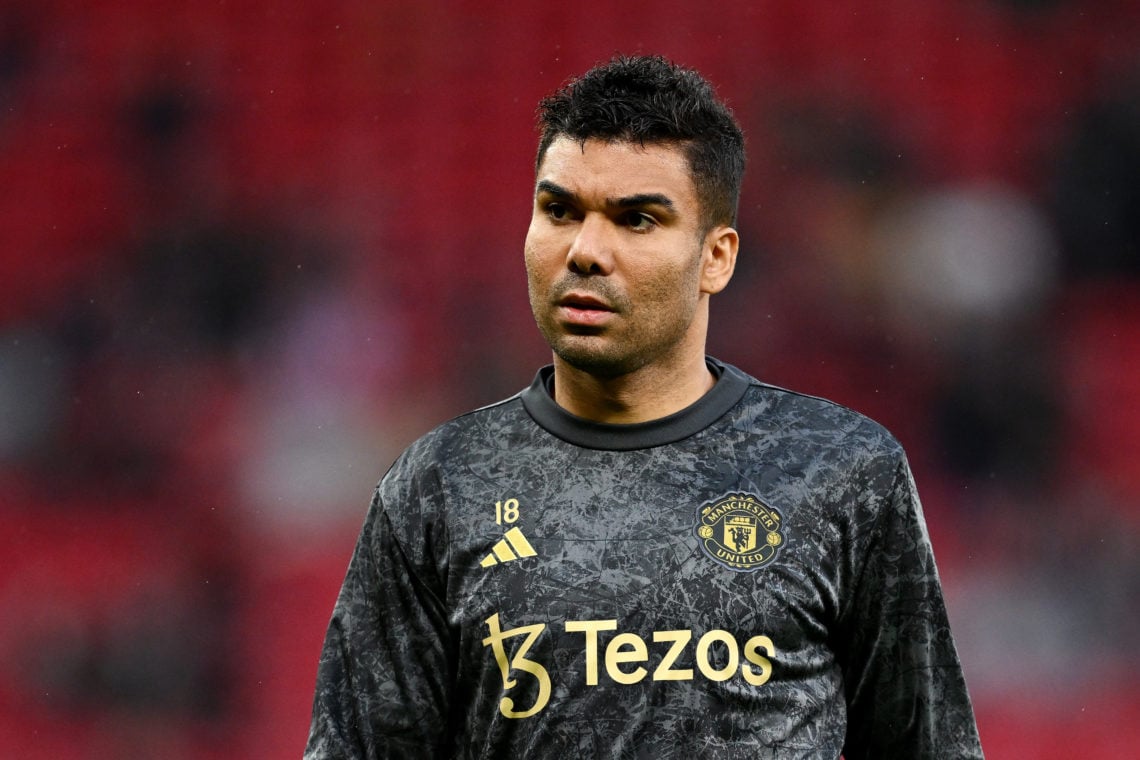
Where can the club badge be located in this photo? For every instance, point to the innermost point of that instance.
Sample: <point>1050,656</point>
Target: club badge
<point>740,532</point>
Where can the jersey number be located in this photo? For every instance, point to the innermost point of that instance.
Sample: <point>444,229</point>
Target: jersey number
<point>506,511</point>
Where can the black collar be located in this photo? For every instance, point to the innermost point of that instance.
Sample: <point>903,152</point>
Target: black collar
<point>539,402</point>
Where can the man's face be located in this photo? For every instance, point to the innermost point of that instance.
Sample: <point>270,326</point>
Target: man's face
<point>615,257</point>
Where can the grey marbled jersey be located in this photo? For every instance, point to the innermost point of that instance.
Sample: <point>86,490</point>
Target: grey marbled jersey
<point>748,578</point>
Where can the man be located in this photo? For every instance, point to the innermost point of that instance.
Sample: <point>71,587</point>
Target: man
<point>646,553</point>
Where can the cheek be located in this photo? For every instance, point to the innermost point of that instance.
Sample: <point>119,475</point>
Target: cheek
<point>531,262</point>
<point>529,251</point>
<point>674,287</point>
<point>537,275</point>
<point>541,255</point>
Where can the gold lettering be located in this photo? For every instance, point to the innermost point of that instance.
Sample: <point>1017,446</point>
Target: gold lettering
<point>752,654</point>
<point>717,512</point>
<point>705,664</point>
<point>591,628</point>
<point>617,653</point>
<point>753,661</point>
<point>729,556</point>
<point>665,671</point>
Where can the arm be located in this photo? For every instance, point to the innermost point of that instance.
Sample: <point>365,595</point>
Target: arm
<point>384,673</point>
<point>906,696</point>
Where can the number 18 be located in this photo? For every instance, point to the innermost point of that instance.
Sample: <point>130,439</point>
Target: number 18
<point>506,511</point>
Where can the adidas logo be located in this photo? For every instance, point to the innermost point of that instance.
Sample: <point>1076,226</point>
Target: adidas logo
<point>512,546</point>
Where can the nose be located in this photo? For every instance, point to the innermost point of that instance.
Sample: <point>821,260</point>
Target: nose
<point>591,251</point>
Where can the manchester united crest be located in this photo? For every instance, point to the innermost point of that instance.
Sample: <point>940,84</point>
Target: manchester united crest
<point>740,532</point>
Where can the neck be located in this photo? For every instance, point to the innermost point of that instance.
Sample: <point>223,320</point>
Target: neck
<point>649,393</point>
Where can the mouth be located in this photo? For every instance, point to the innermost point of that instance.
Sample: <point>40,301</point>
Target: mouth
<point>584,310</point>
<point>583,302</point>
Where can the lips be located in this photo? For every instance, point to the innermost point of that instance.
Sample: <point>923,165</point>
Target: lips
<point>584,309</point>
<point>584,302</point>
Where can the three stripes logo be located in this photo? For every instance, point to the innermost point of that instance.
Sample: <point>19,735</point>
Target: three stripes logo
<point>512,546</point>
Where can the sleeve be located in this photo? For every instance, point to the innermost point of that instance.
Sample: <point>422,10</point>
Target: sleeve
<point>906,694</point>
<point>385,671</point>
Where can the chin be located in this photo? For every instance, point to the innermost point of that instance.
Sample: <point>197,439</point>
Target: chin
<point>596,361</point>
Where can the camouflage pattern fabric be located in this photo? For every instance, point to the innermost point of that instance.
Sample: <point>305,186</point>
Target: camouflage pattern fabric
<point>748,578</point>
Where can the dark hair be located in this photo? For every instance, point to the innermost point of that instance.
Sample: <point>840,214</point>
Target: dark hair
<point>647,99</point>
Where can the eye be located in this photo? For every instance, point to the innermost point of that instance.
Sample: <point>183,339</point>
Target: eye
<point>639,221</point>
<point>557,211</point>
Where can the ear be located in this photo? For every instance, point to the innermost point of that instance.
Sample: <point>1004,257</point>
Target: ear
<point>718,260</point>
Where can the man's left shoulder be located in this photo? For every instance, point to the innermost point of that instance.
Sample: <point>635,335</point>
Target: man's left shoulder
<point>816,420</point>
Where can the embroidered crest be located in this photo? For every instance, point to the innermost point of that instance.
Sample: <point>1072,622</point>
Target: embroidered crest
<point>740,532</point>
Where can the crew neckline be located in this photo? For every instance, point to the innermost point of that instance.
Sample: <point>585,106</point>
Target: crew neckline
<point>538,400</point>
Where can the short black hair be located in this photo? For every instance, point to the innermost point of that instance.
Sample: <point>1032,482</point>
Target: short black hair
<point>647,99</point>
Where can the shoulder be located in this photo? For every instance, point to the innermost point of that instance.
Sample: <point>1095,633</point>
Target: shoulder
<point>838,455</point>
<point>472,439</point>
<point>847,469</point>
<point>814,421</point>
<point>474,428</point>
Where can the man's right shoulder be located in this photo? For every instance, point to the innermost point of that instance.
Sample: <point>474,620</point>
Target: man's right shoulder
<point>462,436</point>
<point>421,481</point>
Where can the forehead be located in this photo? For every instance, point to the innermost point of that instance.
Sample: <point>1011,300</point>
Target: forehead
<point>599,169</point>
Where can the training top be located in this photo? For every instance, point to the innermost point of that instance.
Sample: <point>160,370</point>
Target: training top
<point>750,577</point>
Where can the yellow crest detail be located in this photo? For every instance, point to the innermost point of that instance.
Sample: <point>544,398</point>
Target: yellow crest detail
<point>730,531</point>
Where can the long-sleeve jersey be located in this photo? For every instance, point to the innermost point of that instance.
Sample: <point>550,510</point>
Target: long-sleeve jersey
<point>749,577</point>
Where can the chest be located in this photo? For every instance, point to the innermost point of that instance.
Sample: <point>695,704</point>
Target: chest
<point>683,542</point>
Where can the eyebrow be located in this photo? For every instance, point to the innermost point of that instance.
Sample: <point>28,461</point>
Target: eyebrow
<point>637,200</point>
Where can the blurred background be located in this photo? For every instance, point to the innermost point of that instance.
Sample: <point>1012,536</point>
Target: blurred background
<point>250,250</point>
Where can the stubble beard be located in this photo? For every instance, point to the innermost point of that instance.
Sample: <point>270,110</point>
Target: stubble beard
<point>598,352</point>
<point>598,361</point>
